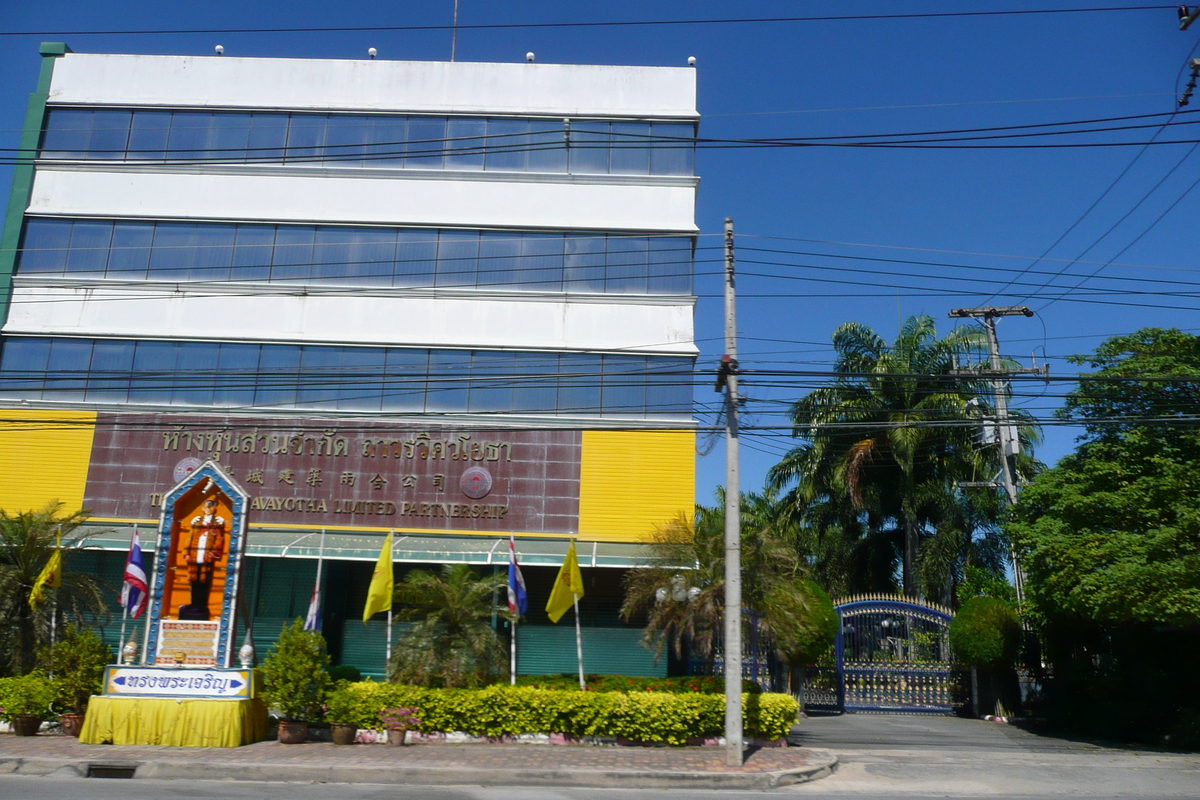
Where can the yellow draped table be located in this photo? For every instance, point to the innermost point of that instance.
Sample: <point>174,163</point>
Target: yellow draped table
<point>178,722</point>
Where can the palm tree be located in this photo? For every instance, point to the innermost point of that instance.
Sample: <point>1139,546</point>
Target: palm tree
<point>682,594</point>
<point>451,643</point>
<point>27,540</point>
<point>888,442</point>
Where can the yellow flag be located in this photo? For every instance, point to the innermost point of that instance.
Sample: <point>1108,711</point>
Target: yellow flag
<point>51,575</point>
<point>567,586</point>
<point>379,596</point>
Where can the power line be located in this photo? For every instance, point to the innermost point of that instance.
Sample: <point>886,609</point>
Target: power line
<point>600,24</point>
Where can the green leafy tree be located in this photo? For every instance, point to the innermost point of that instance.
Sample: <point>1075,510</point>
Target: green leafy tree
<point>882,450</point>
<point>985,633</point>
<point>27,540</point>
<point>681,595</point>
<point>294,674</point>
<point>451,642</point>
<point>1110,542</point>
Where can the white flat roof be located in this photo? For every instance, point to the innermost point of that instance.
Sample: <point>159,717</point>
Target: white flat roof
<point>459,87</point>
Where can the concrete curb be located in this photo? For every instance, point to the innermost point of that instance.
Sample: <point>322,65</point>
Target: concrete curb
<point>824,764</point>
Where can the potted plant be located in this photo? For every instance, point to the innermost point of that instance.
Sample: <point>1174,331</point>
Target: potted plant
<point>397,721</point>
<point>76,663</point>
<point>295,680</point>
<point>25,702</point>
<point>342,710</point>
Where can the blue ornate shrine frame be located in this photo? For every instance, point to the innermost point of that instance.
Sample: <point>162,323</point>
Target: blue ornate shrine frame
<point>239,499</point>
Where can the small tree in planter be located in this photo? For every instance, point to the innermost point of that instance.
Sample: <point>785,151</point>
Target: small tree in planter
<point>76,663</point>
<point>397,721</point>
<point>343,709</point>
<point>985,633</point>
<point>25,702</point>
<point>295,680</point>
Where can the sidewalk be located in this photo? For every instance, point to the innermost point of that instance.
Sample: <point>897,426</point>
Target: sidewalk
<point>422,764</point>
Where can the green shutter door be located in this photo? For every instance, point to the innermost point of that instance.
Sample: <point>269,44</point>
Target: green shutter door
<point>550,650</point>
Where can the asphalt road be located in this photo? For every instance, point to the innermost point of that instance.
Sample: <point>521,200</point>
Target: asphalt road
<point>882,756</point>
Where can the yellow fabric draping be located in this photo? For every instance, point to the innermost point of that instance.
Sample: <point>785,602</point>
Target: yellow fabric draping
<point>175,722</point>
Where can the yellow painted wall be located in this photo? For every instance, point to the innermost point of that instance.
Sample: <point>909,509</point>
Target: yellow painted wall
<point>44,456</point>
<point>632,482</point>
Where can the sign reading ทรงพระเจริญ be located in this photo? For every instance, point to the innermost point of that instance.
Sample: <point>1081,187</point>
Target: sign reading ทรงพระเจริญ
<point>164,681</point>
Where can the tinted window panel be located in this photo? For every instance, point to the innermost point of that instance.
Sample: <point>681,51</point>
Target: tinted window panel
<point>44,249</point>
<point>153,372</point>
<point>331,254</point>
<point>110,134</point>
<point>196,375</point>
<point>148,135</point>
<point>372,257</point>
<point>507,145</point>
<point>306,138</point>
<point>174,251</point>
<point>547,147</point>
<point>279,372</point>
<point>416,258</point>
<point>67,133</point>
<point>213,252</point>
<point>674,148</point>
<point>624,386</point>
<point>130,254</point>
<point>386,138</point>
<point>670,269</point>
<point>253,248</point>
<point>237,373</point>
<point>191,134</point>
<point>24,365</point>
<point>293,253</point>
<point>66,378</point>
<point>589,145</point>
<point>404,381</point>
<point>230,137</point>
<point>579,385</point>
<point>499,260</point>
<point>426,140</point>
<point>458,252</point>
<point>492,378</point>
<point>89,248</point>
<point>320,374</point>
<point>583,269</point>
<point>464,145</point>
<point>345,137</point>
<point>626,265</point>
<point>360,378</point>
<point>541,262</point>
<point>268,135</point>
<point>630,148</point>
<point>449,371</point>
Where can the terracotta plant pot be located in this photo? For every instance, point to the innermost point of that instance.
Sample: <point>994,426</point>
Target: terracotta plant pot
<point>342,733</point>
<point>71,724</point>
<point>396,736</point>
<point>293,732</point>
<point>26,725</point>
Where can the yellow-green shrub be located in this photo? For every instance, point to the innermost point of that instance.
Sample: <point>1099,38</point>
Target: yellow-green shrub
<point>501,710</point>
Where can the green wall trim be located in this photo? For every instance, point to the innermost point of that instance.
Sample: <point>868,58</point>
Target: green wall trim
<point>22,185</point>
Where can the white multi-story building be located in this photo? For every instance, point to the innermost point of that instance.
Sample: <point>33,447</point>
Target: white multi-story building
<point>351,282</point>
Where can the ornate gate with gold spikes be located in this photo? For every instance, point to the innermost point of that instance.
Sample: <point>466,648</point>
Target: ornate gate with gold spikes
<point>893,654</point>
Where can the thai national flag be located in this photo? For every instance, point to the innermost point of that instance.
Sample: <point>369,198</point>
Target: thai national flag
<point>518,600</point>
<point>134,591</point>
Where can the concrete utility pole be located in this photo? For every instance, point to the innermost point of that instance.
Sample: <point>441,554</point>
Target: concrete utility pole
<point>1006,439</point>
<point>727,378</point>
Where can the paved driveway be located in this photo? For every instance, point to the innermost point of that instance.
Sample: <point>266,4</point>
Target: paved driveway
<point>893,755</point>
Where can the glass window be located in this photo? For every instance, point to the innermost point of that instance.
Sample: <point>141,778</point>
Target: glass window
<point>674,148</point>
<point>624,386</point>
<point>174,251</point>
<point>385,141</point>
<point>416,258</point>
<point>589,146</point>
<point>499,260</point>
<point>293,253</point>
<point>670,270</point>
<point>541,262</point>
<point>426,139</point>
<point>669,387</point>
<point>360,381</point>
<point>404,382</point>
<point>66,375</point>
<point>331,254</point>
<point>507,145</point>
<point>196,374</point>
<point>547,146</point>
<point>465,141</point>
<point>212,252</point>
<point>278,375</point>
<point>535,382</point>
<point>320,376</point>
<point>306,138</point>
<point>268,135</point>
<point>23,367</point>
<point>89,248</point>
<point>449,373</point>
<point>492,378</point>
<point>191,134</point>
<point>583,267</point>
<point>44,249</point>
<point>130,254</point>
<point>237,374</point>
<point>627,265</point>
<point>67,133</point>
<point>344,140</point>
<point>148,135</point>
<point>230,137</point>
<point>253,247</point>
<point>110,134</point>
<point>631,148</point>
<point>153,372</point>
<point>579,384</point>
<point>458,253</point>
<point>372,256</point>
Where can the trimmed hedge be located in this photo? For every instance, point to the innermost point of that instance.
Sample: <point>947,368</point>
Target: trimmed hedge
<point>501,710</point>
<point>623,683</point>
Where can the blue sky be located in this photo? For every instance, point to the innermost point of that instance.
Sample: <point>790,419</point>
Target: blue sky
<point>981,215</point>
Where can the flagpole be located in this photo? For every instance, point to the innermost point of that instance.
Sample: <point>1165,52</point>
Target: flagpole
<point>579,645</point>
<point>388,657</point>
<point>512,654</point>
<point>125,600</point>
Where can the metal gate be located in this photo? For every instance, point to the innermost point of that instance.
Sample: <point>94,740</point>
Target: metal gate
<point>892,654</point>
